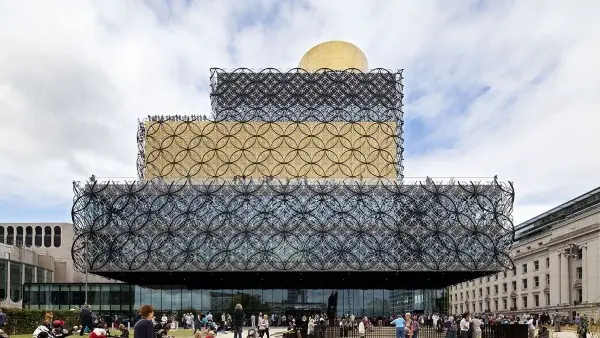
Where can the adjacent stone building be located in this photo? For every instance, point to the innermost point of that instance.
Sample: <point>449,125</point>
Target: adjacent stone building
<point>36,253</point>
<point>556,266</point>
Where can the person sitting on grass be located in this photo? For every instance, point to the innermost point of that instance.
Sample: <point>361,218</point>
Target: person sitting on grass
<point>98,333</point>
<point>124,331</point>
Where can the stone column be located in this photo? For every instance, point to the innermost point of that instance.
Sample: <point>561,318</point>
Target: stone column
<point>555,279</point>
<point>584,278</point>
<point>564,279</point>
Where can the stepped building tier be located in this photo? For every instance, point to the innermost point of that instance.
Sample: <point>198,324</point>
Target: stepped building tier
<point>295,180</point>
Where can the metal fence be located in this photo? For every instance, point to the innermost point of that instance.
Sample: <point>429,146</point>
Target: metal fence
<point>488,331</point>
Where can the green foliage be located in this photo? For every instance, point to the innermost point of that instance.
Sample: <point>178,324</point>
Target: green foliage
<point>20,321</point>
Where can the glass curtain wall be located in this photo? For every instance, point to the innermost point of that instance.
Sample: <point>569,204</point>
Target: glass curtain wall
<point>123,300</point>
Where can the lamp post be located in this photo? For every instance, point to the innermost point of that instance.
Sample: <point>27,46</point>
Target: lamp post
<point>92,183</point>
<point>85,255</point>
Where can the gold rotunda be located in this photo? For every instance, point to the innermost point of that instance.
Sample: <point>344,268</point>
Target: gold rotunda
<point>335,55</point>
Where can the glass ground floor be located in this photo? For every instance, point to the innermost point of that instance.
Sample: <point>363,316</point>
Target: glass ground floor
<point>124,300</point>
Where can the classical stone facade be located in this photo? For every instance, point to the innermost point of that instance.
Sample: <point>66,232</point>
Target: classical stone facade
<point>556,266</point>
<point>36,253</point>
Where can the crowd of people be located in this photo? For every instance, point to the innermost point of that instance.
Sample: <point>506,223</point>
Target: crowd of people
<point>303,326</point>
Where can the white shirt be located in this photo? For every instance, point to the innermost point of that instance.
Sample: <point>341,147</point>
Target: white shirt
<point>464,324</point>
<point>530,324</point>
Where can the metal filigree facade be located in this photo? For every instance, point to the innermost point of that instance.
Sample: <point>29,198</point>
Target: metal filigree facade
<point>176,148</point>
<point>294,171</point>
<point>295,225</point>
<point>354,108</point>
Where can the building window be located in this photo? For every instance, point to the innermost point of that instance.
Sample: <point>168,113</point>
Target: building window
<point>514,285</point>
<point>10,235</point>
<point>547,262</point>
<point>504,274</point>
<point>547,299</point>
<point>580,253</point>
<point>40,275</point>
<point>536,300</point>
<point>16,282</point>
<point>514,271</point>
<point>38,236</point>
<point>504,304</point>
<point>496,305</point>
<point>28,237</point>
<point>496,289</point>
<point>3,279</point>
<point>525,268</point>
<point>524,302</point>
<point>524,283</point>
<point>536,265</point>
<point>487,292</point>
<point>19,239</point>
<point>487,279</point>
<point>579,273</point>
<point>47,237</point>
<point>579,296</point>
<point>514,303</point>
<point>480,292</point>
<point>473,293</point>
<point>1,234</point>
<point>29,274</point>
<point>536,281</point>
<point>57,237</point>
<point>505,287</point>
<point>496,277</point>
<point>547,279</point>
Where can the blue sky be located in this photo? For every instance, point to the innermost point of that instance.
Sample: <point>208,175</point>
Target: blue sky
<point>492,87</point>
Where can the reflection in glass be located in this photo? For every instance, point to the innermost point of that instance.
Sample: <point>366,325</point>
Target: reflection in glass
<point>16,281</point>
<point>3,279</point>
<point>107,299</point>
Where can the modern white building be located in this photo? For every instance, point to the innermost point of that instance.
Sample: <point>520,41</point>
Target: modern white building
<point>36,253</point>
<point>557,266</point>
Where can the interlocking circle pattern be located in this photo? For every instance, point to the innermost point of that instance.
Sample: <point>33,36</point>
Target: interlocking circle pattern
<point>294,171</point>
<point>295,225</point>
<point>206,149</point>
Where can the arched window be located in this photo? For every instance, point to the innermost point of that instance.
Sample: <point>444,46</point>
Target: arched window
<point>57,237</point>
<point>19,241</point>
<point>28,237</point>
<point>2,235</point>
<point>38,236</point>
<point>10,235</point>
<point>47,237</point>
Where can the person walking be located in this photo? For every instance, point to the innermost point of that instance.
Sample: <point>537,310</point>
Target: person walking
<point>237,321</point>
<point>465,324</point>
<point>144,328</point>
<point>2,319</point>
<point>477,323</point>
<point>263,326</point>
<point>400,324</point>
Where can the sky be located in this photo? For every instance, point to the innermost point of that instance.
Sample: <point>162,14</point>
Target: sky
<point>492,87</point>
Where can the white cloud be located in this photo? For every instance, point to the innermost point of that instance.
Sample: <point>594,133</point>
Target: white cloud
<point>76,75</point>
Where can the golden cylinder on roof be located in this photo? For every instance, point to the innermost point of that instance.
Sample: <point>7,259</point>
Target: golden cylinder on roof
<point>335,55</point>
